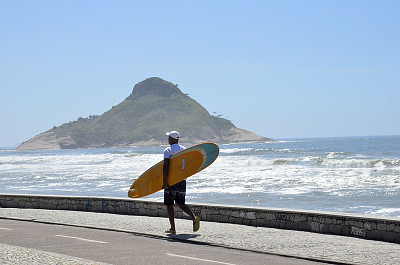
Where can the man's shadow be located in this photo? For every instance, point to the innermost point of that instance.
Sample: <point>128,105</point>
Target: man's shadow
<point>182,236</point>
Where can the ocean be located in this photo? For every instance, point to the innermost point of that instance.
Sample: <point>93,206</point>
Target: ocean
<point>358,175</point>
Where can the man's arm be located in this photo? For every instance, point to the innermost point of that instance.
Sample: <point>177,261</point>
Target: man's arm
<point>165,173</point>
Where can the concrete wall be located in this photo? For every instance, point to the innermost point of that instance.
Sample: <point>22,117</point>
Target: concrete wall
<point>320,222</point>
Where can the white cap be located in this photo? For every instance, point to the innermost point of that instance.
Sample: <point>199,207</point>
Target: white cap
<point>173,134</point>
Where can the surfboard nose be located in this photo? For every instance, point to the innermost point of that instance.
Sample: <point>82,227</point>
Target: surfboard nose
<point>131,193</point>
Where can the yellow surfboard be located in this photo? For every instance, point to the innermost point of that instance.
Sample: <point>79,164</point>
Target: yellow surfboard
<point>182,165</point>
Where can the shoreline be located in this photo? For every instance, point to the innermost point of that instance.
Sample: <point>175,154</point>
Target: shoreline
<point>316,212</point>
<point>219,204</point>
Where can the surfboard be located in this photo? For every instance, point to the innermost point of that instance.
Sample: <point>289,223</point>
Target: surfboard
<point>182,165</point>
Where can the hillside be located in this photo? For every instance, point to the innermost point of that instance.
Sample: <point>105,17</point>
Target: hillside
<point>154,107</point>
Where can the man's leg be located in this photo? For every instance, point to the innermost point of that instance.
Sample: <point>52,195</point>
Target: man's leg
<point>180,201</point>
<point>169,202</point>
<point>171,217</point>
<point>196,219</point>
<point>187,210</point>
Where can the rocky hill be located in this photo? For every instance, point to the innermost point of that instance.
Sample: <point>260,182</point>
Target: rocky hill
<point>154,107</point>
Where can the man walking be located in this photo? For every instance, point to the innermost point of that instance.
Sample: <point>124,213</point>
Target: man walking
<point>175,193</point>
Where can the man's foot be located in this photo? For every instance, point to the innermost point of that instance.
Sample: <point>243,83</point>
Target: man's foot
<point>170,231</point>
<point>196,224</point>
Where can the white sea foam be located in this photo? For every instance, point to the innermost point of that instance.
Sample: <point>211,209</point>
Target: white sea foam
<point>394,212</point>
<point>235,150</point>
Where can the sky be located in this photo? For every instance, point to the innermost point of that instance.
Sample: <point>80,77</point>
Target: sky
<point>282,69</point>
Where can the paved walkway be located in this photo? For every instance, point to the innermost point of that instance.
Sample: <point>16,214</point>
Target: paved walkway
<point>11,255</point>
<point>273,241</point>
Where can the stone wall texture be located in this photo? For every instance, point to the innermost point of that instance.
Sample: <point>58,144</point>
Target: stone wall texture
<point>367,227</point>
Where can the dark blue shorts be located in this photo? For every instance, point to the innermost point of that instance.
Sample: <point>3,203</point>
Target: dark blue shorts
<point>176,193</point>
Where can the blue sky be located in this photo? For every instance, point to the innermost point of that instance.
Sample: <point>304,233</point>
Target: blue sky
<point>283,69</point>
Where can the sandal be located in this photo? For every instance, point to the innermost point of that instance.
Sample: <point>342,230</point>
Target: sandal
<point>196,224</point>
<point>169,231</point>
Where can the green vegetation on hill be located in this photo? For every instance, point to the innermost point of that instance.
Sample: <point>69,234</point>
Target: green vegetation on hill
<point>154,107</point>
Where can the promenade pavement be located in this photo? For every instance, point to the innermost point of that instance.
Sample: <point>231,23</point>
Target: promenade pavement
<point>312,246</point>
